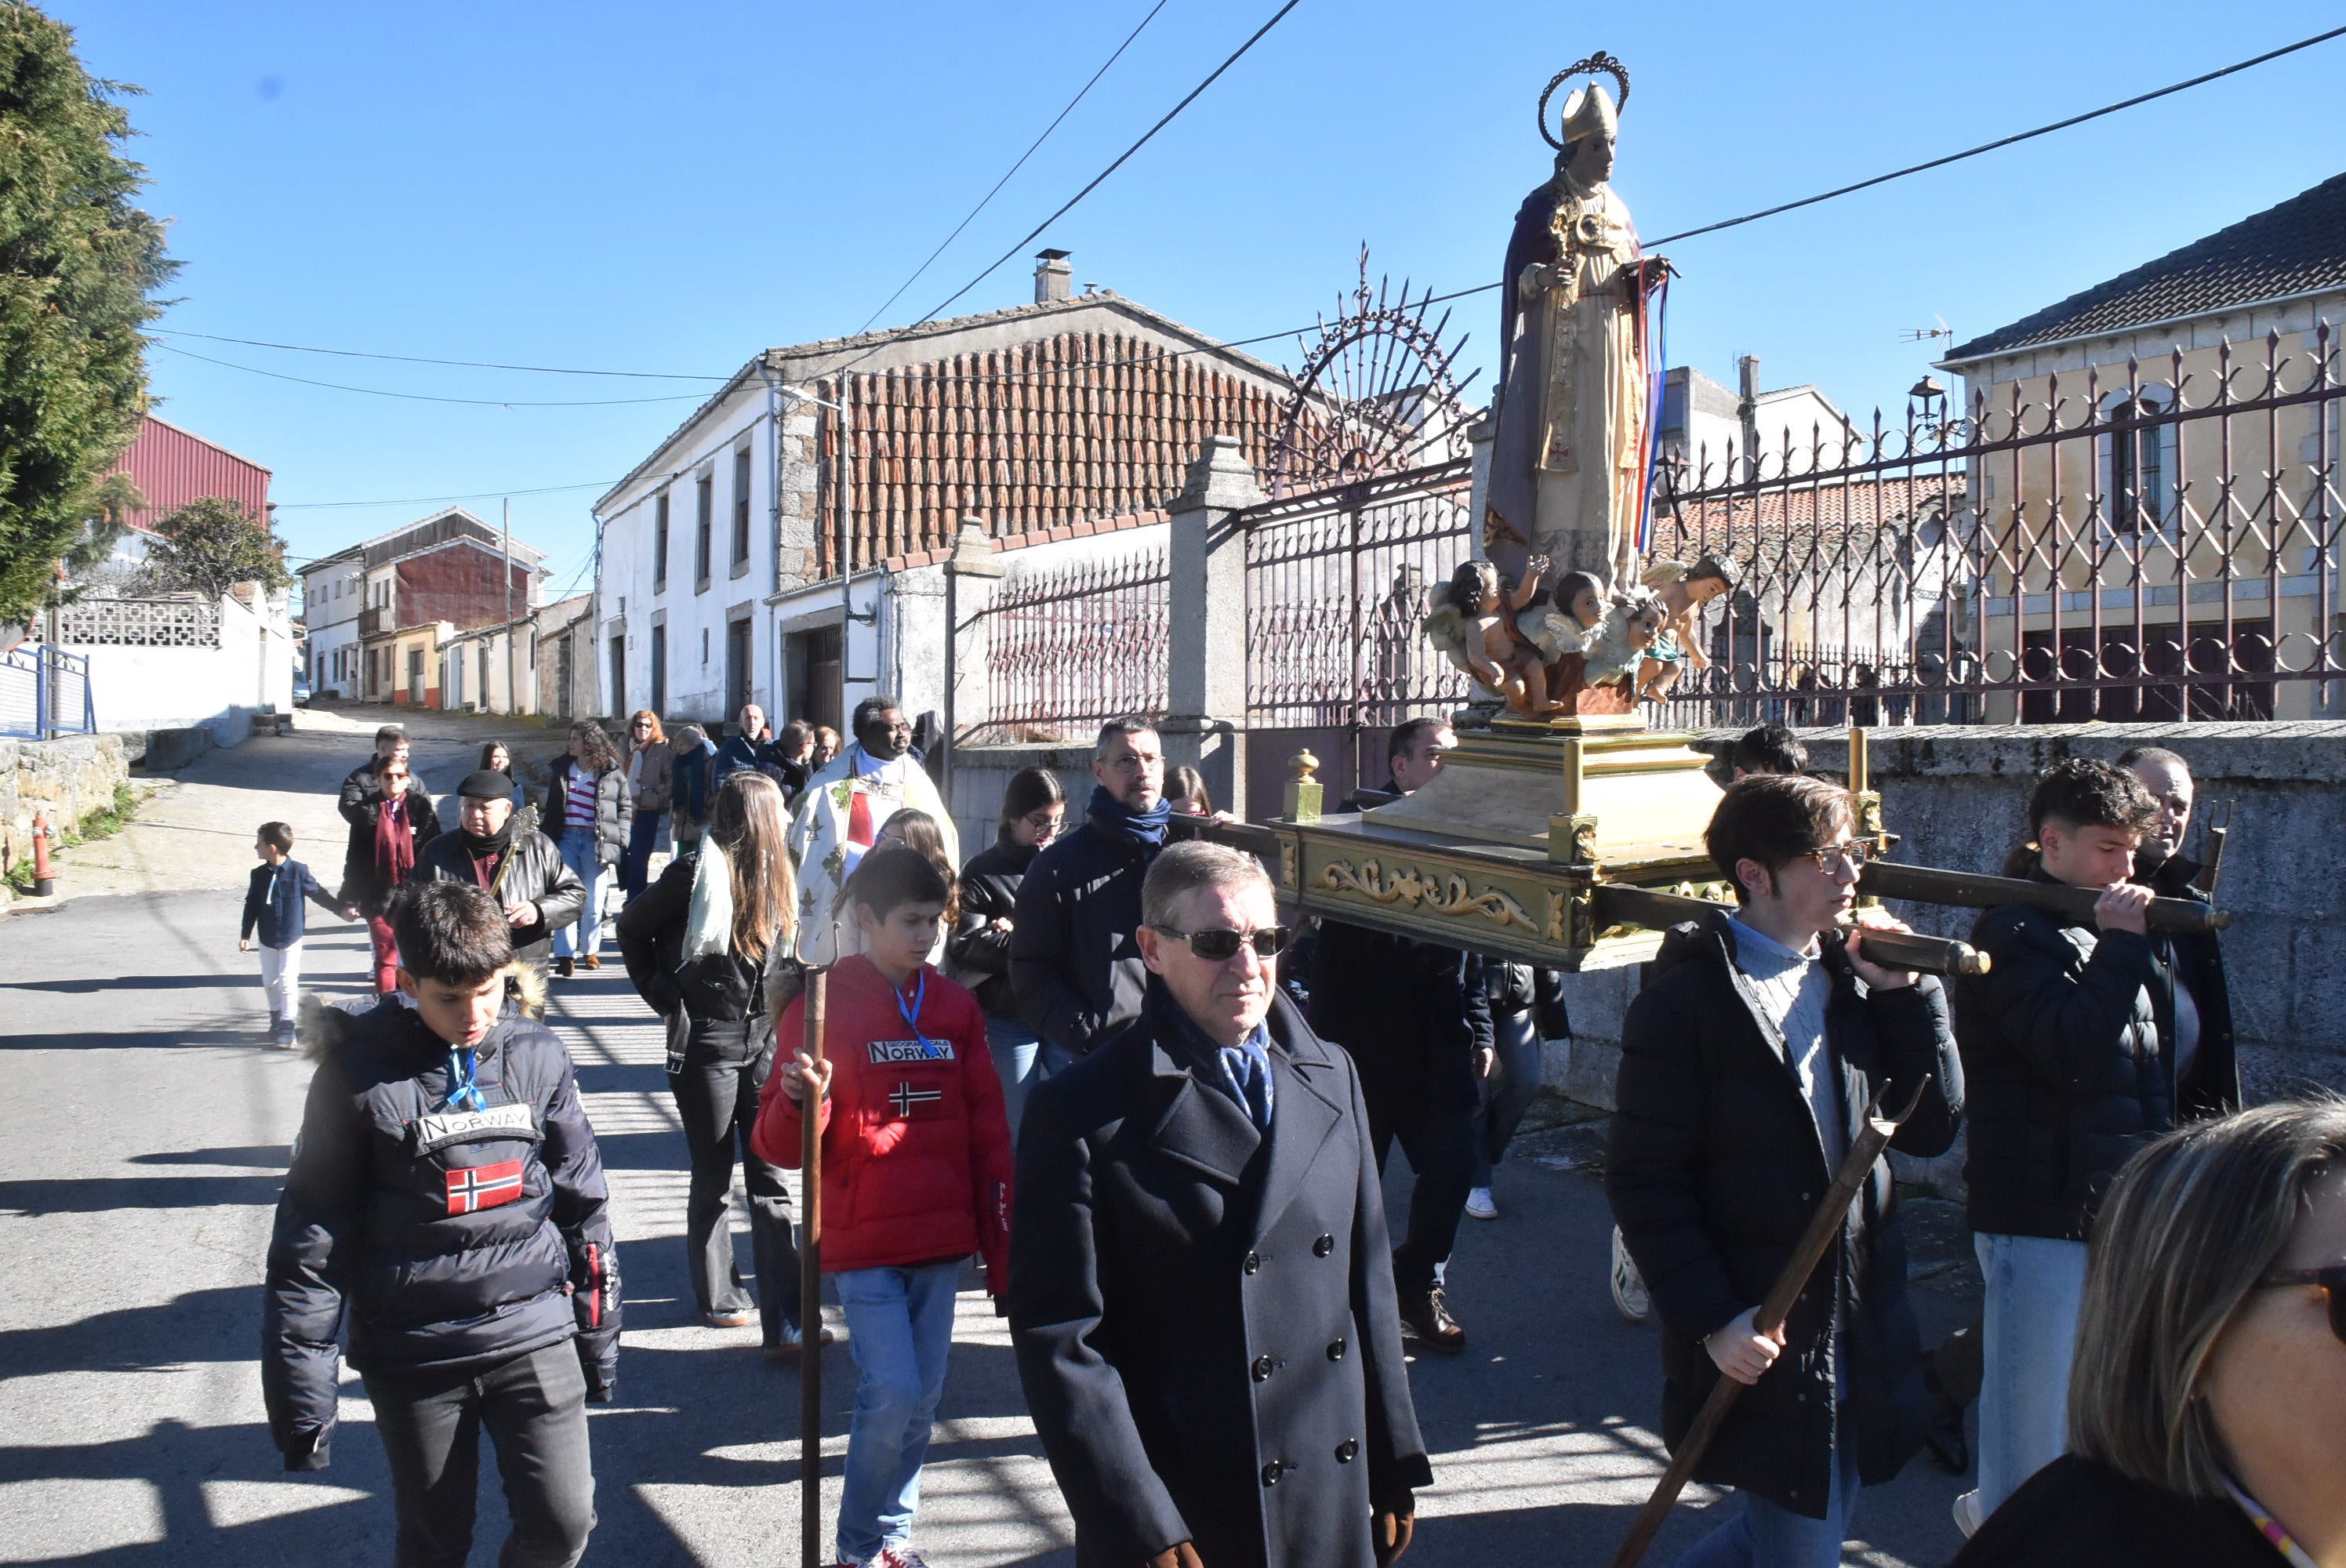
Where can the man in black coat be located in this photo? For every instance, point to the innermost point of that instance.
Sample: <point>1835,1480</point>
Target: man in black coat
<point>1748,1062</point>
<point>1199,1295</point>
<point>1415,1017</point>
<point>446,1207</point>
<point>522,870</point>
<point>2208,1071</point>
<point>1075,957</point>
<point>390,741</point>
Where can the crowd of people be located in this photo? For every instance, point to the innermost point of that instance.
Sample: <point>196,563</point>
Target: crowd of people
<point>1093,1057</point>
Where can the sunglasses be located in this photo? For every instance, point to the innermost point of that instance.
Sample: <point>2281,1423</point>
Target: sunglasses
<point>1830,859</point>
<point>2332,1279</point>
<point>1221,946</point>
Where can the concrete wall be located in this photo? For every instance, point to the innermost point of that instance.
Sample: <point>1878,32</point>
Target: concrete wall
<point>65,779</point>
<point>137,687</point>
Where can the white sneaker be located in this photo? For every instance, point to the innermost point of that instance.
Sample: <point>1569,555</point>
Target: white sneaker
<point>1479,1204</point>
<point>1629,1297</point>
<point>1967,1519</point>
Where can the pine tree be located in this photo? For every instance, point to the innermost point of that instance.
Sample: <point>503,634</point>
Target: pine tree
<point>78,260</point>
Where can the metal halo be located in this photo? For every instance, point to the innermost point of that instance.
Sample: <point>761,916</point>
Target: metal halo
<point>1600,61</point>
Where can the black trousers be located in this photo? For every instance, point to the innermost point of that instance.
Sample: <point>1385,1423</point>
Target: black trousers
<point>535,1407</point>
<point>716,1089</point>
<point>1440,1143</point>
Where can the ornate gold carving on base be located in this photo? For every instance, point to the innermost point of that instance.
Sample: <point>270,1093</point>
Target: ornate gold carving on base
<point>1439,894</point>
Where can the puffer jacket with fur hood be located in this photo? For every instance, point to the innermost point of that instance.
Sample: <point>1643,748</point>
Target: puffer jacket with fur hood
<point>448,1240</point>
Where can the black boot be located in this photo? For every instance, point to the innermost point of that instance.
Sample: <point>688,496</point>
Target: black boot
<point>1426,1314</point>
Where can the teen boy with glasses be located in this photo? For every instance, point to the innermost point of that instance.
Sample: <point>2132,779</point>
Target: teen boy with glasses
<point>1748,1062</point>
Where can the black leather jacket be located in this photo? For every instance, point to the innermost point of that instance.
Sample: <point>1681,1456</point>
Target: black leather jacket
<point>532,871</point>
<point>980,956</point>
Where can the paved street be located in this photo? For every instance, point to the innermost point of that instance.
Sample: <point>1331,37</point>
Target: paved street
<point>143,1134</point>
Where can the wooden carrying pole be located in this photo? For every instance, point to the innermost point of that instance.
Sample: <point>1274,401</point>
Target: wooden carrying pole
<point>811,1552</point>
<point>1930,885</point>
<point>1620,905</point>
<point>1823,1227</point>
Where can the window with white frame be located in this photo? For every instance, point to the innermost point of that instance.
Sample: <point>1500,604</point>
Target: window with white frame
<point>2138,460</point>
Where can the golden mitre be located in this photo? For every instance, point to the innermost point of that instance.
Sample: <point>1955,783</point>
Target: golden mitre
<point>1589,112</point>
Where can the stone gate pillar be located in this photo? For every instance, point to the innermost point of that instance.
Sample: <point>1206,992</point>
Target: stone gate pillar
<point>1206,683</point>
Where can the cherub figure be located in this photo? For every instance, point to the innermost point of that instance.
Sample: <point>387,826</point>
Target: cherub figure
<point>1625,638</point>
<point>1475,626</point>
<point>1564,623</point>
<point>1683,591</point>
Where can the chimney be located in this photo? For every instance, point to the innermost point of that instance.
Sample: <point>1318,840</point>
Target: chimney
<point>1051,276</point>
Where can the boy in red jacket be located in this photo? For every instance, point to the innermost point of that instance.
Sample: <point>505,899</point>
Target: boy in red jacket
<point>915,1177</point>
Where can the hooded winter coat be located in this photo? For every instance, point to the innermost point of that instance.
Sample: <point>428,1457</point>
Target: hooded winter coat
<point>446,1241</point>
<point>1714,1170</point>
<point>614,807</point>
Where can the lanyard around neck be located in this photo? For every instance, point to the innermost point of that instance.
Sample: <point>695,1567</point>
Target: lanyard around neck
<point>912,1017</point>
<point>463,1095</point>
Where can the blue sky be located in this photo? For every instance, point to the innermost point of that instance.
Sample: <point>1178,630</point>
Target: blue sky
<point>672,188</point>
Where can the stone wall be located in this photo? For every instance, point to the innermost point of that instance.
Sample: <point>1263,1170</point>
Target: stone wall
<point>63,780</point>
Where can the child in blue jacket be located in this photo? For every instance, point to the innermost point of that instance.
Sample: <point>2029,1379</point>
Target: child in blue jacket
<point>272,905</point>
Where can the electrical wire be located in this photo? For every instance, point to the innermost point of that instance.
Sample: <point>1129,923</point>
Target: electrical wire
<point>415,360</point>
<point>1014,168</point>
<point>428,397</point>
<point>434,500</point>
<point>1068,206</point>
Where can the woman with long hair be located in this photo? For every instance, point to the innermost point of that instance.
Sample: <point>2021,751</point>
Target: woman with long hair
<point>2208,1400</point>
<point>697,944</point>
<point>648,761</point>
<point>391,822</point>
<point>1185,790</point>
<point>588,811</point>
<point>1033,808</point>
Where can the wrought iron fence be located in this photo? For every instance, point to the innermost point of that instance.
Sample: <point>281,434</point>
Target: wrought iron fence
<point>1069,647</point>
<point>2155,542</point>
<point>45,693</point>
<point>1338,583</point>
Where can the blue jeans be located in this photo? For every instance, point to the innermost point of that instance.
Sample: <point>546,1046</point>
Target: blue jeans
<point>582,854</point>
<point>1764,1535</point>
<point>1508,1092</point>
<point>2034,1288</point>
<point>1016,1054</point>
<point>899,1329</point>
<point>643,841</point>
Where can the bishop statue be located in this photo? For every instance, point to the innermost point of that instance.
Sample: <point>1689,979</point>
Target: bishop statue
<point>1569,468</point>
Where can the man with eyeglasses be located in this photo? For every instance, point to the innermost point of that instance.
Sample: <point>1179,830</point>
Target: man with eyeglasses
<point>1075,955</point>
<point>1200,1298</point>
<point>1746,1065</point>
<point>840,814</point>
<point>1416,1018</point>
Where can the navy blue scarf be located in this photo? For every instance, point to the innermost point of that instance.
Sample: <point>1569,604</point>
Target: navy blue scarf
<point>1148,826</point>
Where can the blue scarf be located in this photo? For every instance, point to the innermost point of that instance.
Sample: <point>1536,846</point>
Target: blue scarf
<point>1147,827</point>
<point>1241,1070</point>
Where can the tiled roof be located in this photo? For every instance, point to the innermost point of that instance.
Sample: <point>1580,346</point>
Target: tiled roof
<point>2296,248</point>
<point>1086,529</point>
<point>1041,434</point>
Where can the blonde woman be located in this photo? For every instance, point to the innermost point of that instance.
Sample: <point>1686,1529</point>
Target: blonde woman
<point>696,944</point>
<point>648,762</point>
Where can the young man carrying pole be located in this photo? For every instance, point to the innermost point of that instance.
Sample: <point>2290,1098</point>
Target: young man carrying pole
<point>1748,1063</point>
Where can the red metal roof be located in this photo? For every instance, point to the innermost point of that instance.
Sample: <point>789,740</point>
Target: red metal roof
<point>172,467</point>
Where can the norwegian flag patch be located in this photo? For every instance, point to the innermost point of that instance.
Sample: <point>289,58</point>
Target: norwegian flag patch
<point>476,1188</point>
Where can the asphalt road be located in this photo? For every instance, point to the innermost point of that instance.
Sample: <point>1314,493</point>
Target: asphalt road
<point>143,1134</point>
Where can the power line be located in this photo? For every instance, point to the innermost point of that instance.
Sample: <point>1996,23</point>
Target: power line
<point>428,397</point>
<point>1014,168</point>
<point>1068,206</point>
<point>415,360</point>
<point>434,500</point>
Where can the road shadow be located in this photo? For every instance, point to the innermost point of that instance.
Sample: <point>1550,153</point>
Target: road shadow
<point>40,1196</point>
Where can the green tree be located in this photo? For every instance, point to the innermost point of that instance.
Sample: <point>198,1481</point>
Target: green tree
<point>78,260</point>
<point>209,546</point>
<point>117,495</point>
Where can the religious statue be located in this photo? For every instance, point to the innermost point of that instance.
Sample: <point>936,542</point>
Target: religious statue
<point>1474,624</point>
<point>1624,640</point>
<point>1569,467</point>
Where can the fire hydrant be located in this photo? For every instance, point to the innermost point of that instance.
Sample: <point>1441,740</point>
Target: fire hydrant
<point>45,879</point>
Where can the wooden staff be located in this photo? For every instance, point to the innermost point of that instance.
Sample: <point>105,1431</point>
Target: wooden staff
<point>1620,905</point>
<point>811,1554</point>
<point>1930,885</point>
<point>2212,853</point>
<point>1823,1227</point>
